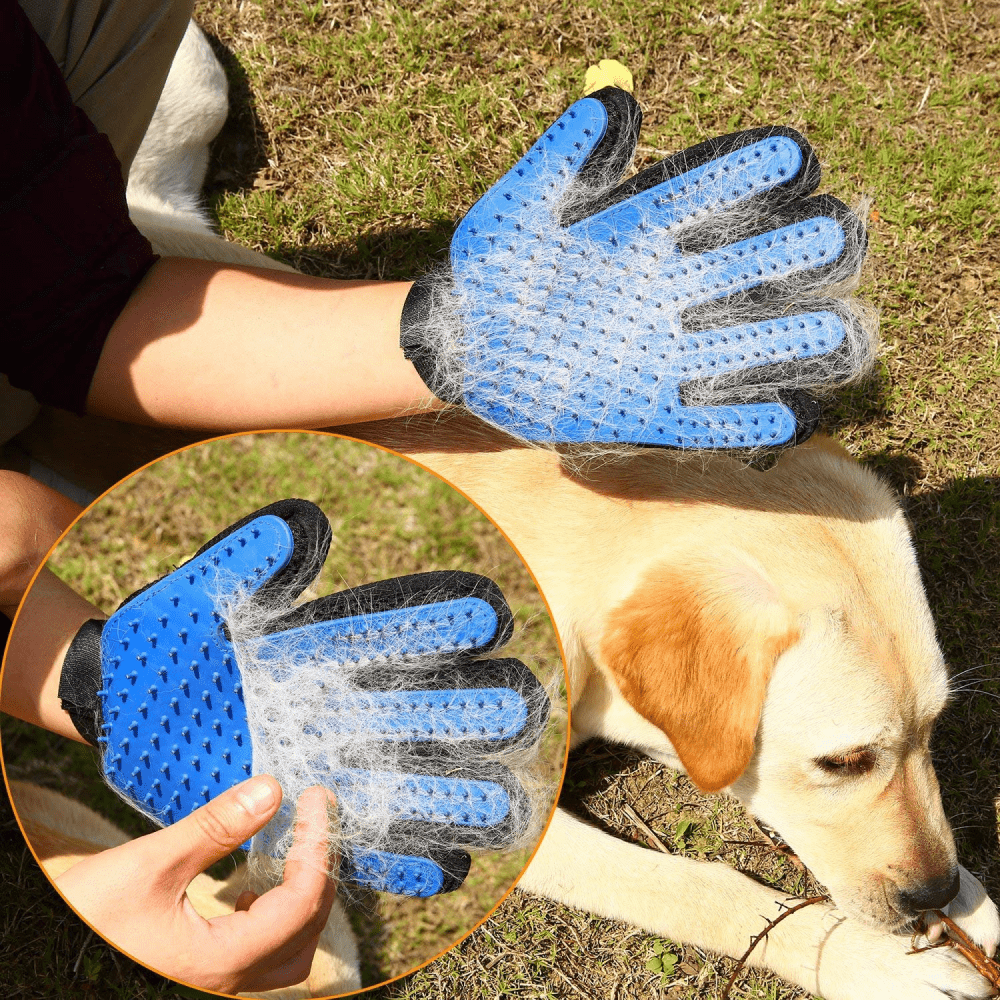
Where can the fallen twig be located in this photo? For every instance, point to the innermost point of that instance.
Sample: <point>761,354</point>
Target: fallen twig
<point>741,962</point>
<point>646,829</point>
<point>778,843</point>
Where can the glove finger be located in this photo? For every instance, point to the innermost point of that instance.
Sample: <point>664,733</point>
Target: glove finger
<point>420,872</point>
<point>715,176</point>
<point>787,417</point>
<point>468,708</point>
<point>310,535</point>
<point>821,243</point>
<point>275,552</point>
<point>437,804</point>
<point>433,805</point>
<point>591,142</point>
<point>774,362</point>
<point>824,347</point>
<point>426,614</point>
<point>770,424</point>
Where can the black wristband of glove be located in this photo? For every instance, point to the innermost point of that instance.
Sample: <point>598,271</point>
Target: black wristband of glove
<point>81,680</point>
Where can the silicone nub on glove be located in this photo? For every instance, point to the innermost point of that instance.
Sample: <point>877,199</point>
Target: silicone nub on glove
<point>696,305</point>
<point>210,675</point>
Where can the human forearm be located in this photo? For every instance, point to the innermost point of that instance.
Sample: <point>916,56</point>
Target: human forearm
<point>32,517</point>
<point>215,346</point>
<point>47,624</point>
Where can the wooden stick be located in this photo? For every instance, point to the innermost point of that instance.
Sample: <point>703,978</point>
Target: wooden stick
<point>763,934</point>
<point>957,938</point>
<point>646,828</point>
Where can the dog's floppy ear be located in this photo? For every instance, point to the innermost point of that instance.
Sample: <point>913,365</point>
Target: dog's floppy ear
<point>692,652</point>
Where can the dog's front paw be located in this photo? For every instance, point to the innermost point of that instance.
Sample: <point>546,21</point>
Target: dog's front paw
<point>975,913</point>
<point>858,962</point>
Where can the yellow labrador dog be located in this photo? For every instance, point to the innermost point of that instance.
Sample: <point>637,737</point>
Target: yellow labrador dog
<point>768,634</point>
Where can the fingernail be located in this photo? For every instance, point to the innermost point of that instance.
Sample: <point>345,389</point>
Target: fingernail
<point>257,796</point>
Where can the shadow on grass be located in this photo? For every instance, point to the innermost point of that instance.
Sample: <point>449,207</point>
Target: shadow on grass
<point>957,536</point>
<point>239,152</point>
<point>397,253</point>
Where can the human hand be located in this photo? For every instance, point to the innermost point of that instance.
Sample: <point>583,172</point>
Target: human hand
<point>691,306</point>
<point>135,895</point>
<point>376,692</point>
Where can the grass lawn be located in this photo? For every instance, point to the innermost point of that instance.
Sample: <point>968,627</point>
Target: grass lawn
<point>361,130</point>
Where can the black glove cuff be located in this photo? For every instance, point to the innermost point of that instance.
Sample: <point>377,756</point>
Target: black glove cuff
<point>80,680</point>
<point>414,319</point>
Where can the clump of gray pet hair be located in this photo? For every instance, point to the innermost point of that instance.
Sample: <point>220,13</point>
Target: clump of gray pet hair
<point>322,713</point>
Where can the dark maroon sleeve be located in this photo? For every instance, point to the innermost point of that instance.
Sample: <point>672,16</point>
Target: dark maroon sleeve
<point>69,255</point>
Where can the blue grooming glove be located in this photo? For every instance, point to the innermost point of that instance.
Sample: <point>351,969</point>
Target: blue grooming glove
<point>690,306</point>
<point>210,675</point>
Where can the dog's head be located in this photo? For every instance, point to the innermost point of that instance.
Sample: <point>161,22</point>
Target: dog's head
<point>791,658</point>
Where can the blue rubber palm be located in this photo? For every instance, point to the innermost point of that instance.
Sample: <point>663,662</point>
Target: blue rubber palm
<point>186,700</point>
<point>681,308</point>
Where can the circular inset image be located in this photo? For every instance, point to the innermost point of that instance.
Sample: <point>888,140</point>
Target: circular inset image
<point>325,709</point>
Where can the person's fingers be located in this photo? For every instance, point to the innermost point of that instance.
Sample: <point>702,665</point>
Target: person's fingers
<point>216,829</point>
<point>281,928</point>
<point>275,972</point>
<point>307,890</point>
<point>312,850</point>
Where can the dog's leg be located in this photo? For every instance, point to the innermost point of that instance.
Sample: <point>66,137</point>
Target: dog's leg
<point>170,165</point>
<point>714,907</point>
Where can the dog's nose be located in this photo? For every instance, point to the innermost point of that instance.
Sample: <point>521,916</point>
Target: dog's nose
<point>932,895</point>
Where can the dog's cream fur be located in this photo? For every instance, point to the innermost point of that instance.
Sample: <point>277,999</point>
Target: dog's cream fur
<point>747,627</point>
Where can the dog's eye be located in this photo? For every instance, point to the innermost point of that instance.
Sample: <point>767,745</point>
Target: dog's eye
<point>848,764</point>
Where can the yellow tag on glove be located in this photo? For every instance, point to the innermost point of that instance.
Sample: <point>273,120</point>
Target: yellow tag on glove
<point>607,73</point>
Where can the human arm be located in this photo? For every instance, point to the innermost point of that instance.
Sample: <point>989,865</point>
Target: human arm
<point>48,622</point>
<point>207,345</point>
<point>90,310</point>
<point>32,517</point>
